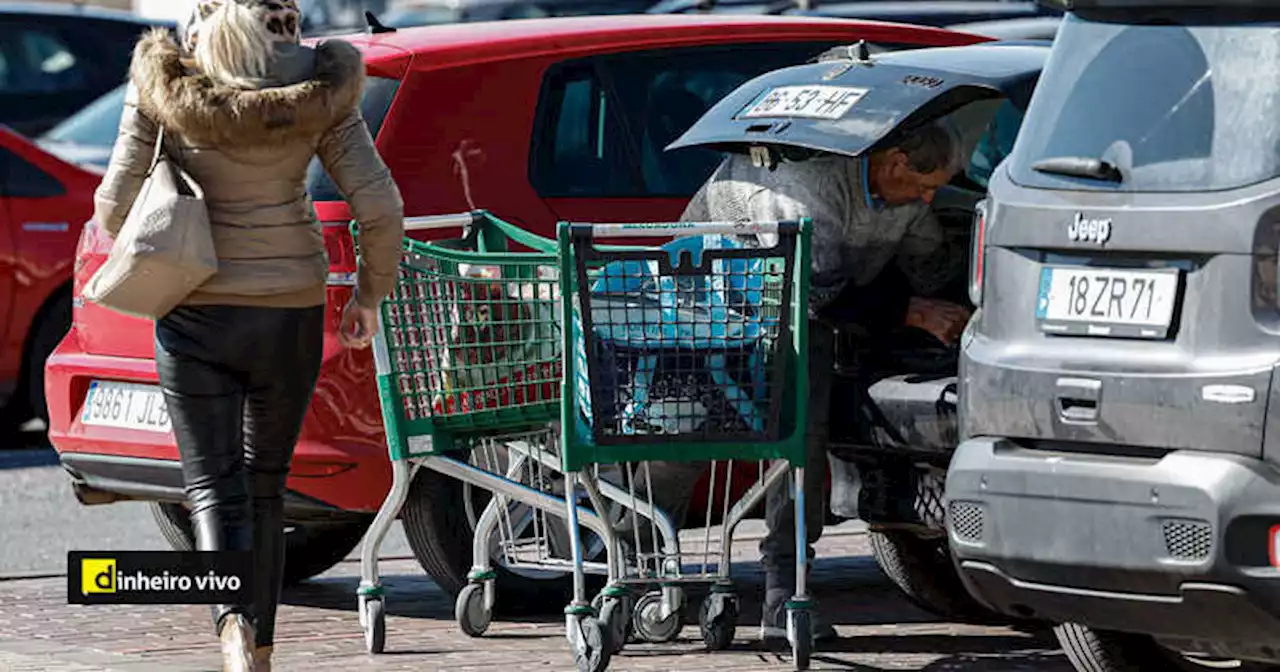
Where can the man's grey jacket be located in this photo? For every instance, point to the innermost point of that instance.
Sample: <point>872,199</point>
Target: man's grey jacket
<point>853,238</point>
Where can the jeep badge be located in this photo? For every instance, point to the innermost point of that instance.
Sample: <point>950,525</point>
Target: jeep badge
<point>1084,230</point>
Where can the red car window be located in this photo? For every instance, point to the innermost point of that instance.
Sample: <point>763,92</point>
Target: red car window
<point>20,179</point>
<point>379,92</point>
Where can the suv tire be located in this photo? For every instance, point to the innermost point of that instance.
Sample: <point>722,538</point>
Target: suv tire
<point>311,548</point>
<point>52,326</point>
<point>439,532</point>
<point>904,504</point>
<point>47,331</point>
<point>922,569</point>
<point>1092,650</point>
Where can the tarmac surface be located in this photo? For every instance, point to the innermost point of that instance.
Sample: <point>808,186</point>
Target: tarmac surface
<point>319,629</point>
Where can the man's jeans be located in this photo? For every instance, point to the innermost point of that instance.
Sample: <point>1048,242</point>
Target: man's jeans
<point>673,482</point>
<point>778,548</point>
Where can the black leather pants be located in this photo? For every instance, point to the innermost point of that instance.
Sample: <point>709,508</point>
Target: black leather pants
<point>237,381</point>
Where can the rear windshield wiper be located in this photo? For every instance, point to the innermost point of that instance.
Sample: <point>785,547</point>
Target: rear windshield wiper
<point>1079,166</point>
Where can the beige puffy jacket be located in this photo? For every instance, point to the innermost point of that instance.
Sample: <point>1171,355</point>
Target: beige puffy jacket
<point>249,149</point>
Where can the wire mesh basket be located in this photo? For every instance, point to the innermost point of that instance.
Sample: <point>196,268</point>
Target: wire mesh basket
<point>685,349</point>
<point>472,337</point>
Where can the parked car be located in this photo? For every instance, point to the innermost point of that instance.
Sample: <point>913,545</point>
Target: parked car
<point>926,12</point>
<point>894,404</point>
<point>44,203</point>
<point>570,125</point>
<point>939,13</point>
<point>1120,472</point>
<point>327,17</point>
<point>86,137</point>
<point>431,12</point>
<point>55,59</point>
<point>1033,28</point>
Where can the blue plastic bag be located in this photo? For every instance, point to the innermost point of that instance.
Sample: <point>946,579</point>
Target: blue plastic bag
<point>633,303</point>
<point>678,354</point>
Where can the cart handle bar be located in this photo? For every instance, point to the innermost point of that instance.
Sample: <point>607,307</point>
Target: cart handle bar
<point>679,229</point>
<point>431,222</point>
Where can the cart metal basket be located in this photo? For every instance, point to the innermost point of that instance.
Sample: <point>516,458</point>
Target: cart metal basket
<point>694,352</point>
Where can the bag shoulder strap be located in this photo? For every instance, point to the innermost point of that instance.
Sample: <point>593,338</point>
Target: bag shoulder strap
<point>155,156</point>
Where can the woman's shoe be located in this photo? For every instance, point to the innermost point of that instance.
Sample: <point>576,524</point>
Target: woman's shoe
<point>237,644</point>
<point>262,659</point>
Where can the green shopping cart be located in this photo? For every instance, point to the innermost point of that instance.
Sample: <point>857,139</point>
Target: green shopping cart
<point>695,351</point>
<point>468,360</point>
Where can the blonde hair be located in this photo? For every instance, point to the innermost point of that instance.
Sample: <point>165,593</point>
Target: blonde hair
<point>232,46</point>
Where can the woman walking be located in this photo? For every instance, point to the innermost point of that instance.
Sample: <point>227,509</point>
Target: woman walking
<point>243,108</point>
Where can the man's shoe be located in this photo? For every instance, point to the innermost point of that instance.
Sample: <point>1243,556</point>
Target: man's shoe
<point>773,623</point>
<point>237,644</point>
<point>262,659</point>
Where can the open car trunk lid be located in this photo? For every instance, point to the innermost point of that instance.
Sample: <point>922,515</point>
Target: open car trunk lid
<point>849,102</point>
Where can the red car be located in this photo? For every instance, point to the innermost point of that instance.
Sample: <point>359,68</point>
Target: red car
<point>44,203</point>
<point>537,121</point>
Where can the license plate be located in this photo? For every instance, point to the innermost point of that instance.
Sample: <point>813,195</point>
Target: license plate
<point>1107,302</point>
<point>814,102</point>
<point>125,406</point>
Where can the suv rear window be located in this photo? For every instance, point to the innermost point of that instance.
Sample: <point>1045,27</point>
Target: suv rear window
<point>378,94</point>
<point>1175,107</point>
<point>606,121</point>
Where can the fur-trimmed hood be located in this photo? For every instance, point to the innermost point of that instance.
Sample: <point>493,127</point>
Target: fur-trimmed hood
<point>207,112</point>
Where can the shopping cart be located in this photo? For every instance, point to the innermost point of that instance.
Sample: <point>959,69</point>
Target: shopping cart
<point>692,352</point>
<point>469,379</point>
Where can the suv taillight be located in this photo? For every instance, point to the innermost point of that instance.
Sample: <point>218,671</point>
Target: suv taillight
<point>342,254</point>
<point>978,253</point>
<point>1273,546</point>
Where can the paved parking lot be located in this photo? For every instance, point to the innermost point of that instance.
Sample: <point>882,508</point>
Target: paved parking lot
<point>319,630</point>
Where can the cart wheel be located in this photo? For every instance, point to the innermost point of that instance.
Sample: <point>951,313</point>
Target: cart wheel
<point>470,611</point>
<point>615,614</point>
<point>648,626</point>
<point>800,632</point>
<point>717,619</point>
<point>375,626</point>
<point>591,651</point>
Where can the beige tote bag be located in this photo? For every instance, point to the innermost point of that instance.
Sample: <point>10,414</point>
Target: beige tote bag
<point>164,250</point>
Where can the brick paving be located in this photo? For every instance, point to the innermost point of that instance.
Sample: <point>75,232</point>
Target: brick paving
<point>319,630</point>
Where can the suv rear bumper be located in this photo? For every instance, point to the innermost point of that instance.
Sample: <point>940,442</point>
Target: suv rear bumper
<point>1176,547</point>
<point>161,480</point>
<point>340,460</point>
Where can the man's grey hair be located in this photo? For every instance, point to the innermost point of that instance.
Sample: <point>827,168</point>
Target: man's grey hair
<point>932,147</point>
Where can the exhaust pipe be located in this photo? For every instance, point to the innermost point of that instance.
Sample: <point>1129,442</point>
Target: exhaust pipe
<point>89,496</point>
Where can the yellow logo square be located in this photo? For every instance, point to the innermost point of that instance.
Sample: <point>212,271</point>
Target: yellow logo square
<point>97,575</point>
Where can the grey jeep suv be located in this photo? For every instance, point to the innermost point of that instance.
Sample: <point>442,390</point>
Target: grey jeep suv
<point>1120,468</point>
